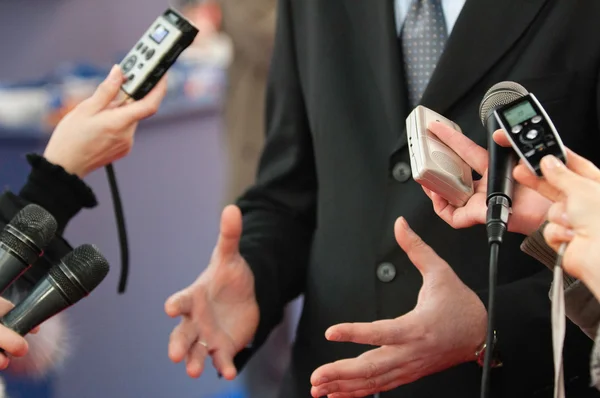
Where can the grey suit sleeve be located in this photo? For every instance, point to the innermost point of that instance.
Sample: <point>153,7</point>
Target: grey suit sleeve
<point>581,307</point>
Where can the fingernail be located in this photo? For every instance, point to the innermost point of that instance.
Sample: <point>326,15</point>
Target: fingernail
<point>334,336</point>
<point>322,380</point>
<point>551,162</point>
<point>570,233</point>
<point>564,217</point>
<point>114,74</point>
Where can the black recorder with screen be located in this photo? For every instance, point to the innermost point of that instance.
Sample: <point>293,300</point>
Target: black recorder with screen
<point>530,131</point>
<point>155,52</point>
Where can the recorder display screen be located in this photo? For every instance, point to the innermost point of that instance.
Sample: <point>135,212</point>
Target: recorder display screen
<point>519,113</point>
<point>159,34</point>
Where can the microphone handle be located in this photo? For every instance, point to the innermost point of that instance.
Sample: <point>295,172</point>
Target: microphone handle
<point>11,268</point>
<point>44,301</point>
<point>502,161</point>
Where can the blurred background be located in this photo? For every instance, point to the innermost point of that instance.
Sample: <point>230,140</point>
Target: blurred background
<point>204,141</point>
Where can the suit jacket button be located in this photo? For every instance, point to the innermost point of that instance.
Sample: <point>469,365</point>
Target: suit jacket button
<point>386,272</point>
<point>401,172</point>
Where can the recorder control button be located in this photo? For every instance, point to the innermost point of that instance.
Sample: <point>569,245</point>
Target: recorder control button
<point>528,154</point>
<point>517,129</point>
<point>129,63</point>
<point>401,172</point>
<point>536,119</point>
<point>386,272</point>
<point>140,44</point>
<point>149,54</point>
<point>532,134</point>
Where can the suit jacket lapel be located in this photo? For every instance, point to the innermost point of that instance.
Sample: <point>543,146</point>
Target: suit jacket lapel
<point>377,38</point>
<point>484,32</point>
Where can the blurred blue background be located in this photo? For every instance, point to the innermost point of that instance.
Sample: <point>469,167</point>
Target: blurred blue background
<point>171,187</point>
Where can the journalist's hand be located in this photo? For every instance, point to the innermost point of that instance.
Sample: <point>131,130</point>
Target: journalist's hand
<point>446,328</point>
<point>219,310</point>
<point>529,207</point>
<point>100,130</point>
<point>11,342</point>
<point>575,216</point>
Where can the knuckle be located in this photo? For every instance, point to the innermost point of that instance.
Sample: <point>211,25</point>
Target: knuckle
<point>371,370</point>
<point>371,384</point>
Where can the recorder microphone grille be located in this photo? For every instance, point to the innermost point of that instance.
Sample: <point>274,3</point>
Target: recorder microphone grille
<point>446,163</point>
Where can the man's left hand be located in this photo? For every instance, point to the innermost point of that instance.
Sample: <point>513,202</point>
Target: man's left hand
<point>446,328</point>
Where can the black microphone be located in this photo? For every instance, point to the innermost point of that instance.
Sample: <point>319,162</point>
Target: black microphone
<point>22,242</point>
<point>73,278</point>
<point>502,160</point>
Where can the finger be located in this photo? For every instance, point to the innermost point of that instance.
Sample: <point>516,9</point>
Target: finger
<point>231,230</point>
<point>360,387</point>
<point>470,152</point>
<point>35,330</point>
<point>223,362</point>
<point>179,304</point>
<point>399,380</point>
<point>12,343</point>
<point>4,362</point>
<point>368,365</point>
<point>582,166</point>
<point>556,234</point>
<point>378,333</point>
<point>420,254</point>
<point>106,91</point>
<point>427,191</point>
<point>5,306</point>
<point>501,138</point>
<point>141,109</point>
<point>181,340</point>
<point>195,359</point>
<point>557,214</point>
<point>461,217</point>
<point>559,176</point>
<point>525,177</point>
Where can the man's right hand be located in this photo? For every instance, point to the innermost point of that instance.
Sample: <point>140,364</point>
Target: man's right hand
<point>219,310</point>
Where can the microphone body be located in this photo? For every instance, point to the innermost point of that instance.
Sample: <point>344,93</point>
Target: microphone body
<point>73,278</point>
<point>23,241</point>
<point>502,161</point>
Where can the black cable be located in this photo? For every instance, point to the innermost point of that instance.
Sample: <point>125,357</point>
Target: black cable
<point>489,340</point>
<point>121,229</point>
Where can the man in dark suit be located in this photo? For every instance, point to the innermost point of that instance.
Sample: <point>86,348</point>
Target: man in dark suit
<point>335,175</point>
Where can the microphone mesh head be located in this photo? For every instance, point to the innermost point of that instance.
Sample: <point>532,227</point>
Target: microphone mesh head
<point>36,223</point>
<point>88,268</point>
<point>498,95</point>
<point>33,222</point>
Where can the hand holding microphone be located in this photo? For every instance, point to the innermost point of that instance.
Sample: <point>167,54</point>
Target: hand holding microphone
<point>73,278</point>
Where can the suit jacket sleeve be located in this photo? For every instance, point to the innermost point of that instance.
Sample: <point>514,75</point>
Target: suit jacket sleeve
<point>251,27</point>
<point>581,307</point>
<point>279,210</point>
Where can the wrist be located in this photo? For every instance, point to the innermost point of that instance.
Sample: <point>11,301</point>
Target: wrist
<point>67,166</point>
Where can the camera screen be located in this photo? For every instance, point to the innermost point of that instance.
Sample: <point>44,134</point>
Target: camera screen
<point>519,113</point>
<point>159,34</point>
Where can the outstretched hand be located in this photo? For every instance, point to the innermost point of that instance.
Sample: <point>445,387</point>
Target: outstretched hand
<point>446,328</point>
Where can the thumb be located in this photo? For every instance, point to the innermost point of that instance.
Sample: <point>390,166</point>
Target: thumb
<point>106,91</point>
<point>231,230</point>
<point>501,138</point>
<point>420,254</point>
<point>559,176</point>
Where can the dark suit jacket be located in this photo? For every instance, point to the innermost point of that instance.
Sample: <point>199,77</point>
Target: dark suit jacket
<point>319,220</point>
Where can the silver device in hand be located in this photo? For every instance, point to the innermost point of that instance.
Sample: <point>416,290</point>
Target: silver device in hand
<point>530,131</point>
<point>155,52</point>
<point>434,165</point>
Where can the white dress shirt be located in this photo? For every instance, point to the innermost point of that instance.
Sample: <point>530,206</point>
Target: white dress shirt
<point>452,9</point>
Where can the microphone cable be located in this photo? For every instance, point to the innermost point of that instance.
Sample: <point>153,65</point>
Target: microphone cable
<point>121,228</point>
<point>497,220</point>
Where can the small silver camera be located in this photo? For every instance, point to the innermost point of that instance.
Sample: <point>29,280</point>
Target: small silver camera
<point>434,165</point>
